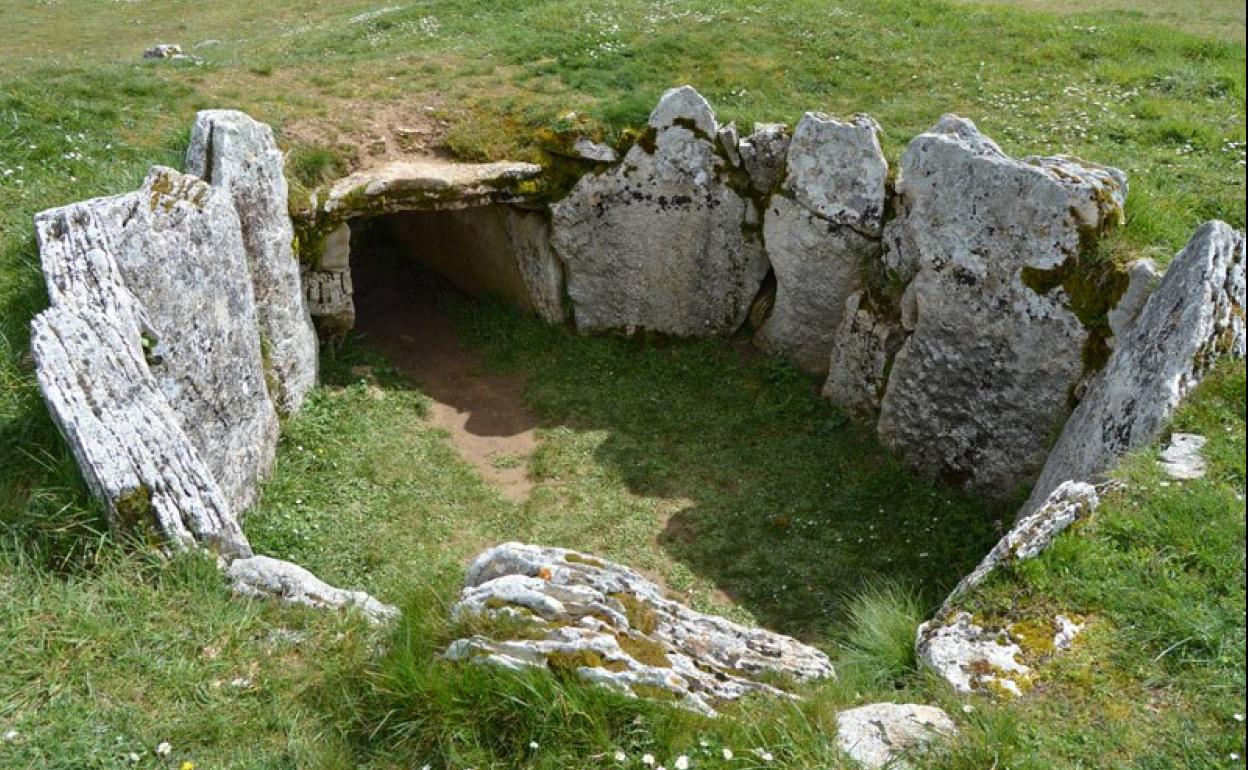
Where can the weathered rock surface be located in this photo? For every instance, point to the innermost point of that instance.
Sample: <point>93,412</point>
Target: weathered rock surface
<point>163,51</point>
<point>1195,316</point>
<point>425,185</point>
<point>228,149</point>
<point>972,658</point>
<point>609,625</point>
<point>985,377</point>
<point>881,734</point>
<point>528,234</point>
<point>267,578</point>
<point>1182,459</point>
<point>1033,534</point>
<point>762,155</point>
<point>1143,276</point>
<point>821,232</point>
<point>863,346</point>
<point>178,249</point>
<point>661,242</point>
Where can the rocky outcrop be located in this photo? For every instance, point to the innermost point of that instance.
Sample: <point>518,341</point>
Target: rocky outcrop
<point>1195,317</point>
<point>1182,458</point>
<point>607,624</point>
<point>821,233</point>
<point>264,577</point>
<point>994,351</point>
<point>228,149</point>
<point>882,734</point>
<point>863,347</point>
<point>662,241</point>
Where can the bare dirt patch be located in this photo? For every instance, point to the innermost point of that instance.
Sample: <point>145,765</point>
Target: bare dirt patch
<point>400,313</point>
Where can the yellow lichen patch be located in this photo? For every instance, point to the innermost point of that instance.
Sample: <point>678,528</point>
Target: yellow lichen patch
<point>641,616</point>
<point>1034,636</point>
<point>643,650</point>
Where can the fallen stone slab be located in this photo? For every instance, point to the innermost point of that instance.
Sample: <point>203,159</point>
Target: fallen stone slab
<point>1194,318</point>
<point>231,150</point>
<point>1182,458</point>
<point>882,734</point>
<point>662,241</point>
<point>264,577</point>
<point>995,347</point>
<point>607,624</point>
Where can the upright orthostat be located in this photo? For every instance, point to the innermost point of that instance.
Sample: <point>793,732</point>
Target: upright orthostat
<point>986,375</point>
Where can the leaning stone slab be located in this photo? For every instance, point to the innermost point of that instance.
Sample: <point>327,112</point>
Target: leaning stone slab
<point>607,624</point>
<point>820,232</point>
<point>1033,534</point>
<point>150,361</point>
<point>1143,276</point>
<point>661,241</point>
<point>1195,317</point>
<point>986,375</point>
<point>228,149</point>
<point>264,577</point>
<point>882,734</point>
<point>863,347</point>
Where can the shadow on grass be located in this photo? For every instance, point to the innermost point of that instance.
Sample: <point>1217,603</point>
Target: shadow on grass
<point>750,481</point>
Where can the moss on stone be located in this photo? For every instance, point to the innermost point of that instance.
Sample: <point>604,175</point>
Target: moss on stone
<point>641,616</point>
<point>643,650</point>
<point>576,558</point>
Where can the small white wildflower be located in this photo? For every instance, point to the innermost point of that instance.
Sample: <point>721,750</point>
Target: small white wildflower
<point>967,708</point>
<point>132,758</point>
<point>11,735</point>
<point>164,749</point>
<point>1237,717</point>
<point>764,755</point>
<point>682,762</point>
<point>647,760</point>
<point>727,753</point>
<point>620,756</point>
<point>534,745</point>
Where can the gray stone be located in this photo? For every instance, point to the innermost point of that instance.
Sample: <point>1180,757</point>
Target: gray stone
<point>1195,317</point>
<point>588,149</point>
<point>1182,458</point>
<point>659,242</point>
<point>729,143</point>
<point>331,300</point>
<point>986,375</point>
<point>882,734</point>
<point>1143,275</point>
<point>972,658</point>
<point>837,170</point>
<point>613,627</point>
<point>863,347</point>
<point>821,234</point>
<point>228,149</point>
<point>528,234</point>
<point>685,107</point>
<point>264,577</point>
<point>163,51</point>
<point>424,185</point>
<point>178,247</point>
<point>1032,534</point>
<point>762,155</point>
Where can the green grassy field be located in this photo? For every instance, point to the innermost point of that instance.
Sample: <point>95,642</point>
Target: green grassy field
<point>726,478</point>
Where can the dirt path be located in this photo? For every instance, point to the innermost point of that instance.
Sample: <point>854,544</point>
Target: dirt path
<point>489,424</point>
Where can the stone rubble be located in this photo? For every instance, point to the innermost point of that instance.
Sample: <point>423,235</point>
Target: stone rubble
<point>609,625</point>
<point>1182,458</point>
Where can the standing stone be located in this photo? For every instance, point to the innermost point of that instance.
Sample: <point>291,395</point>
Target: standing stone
<point>821,232</point>
<point>863,346</point>
<point>228,149</point>
<point>880,734</point>
<point>661,241</point>
<point>528,234</point>
<point>178,247</point>
<point>1195,317</point>
<point>986,375</point>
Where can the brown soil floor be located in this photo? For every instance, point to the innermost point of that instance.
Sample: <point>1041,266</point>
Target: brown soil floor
<point>400,314</point>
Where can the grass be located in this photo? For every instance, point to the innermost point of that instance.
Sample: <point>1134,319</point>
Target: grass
<point>723,477</point>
